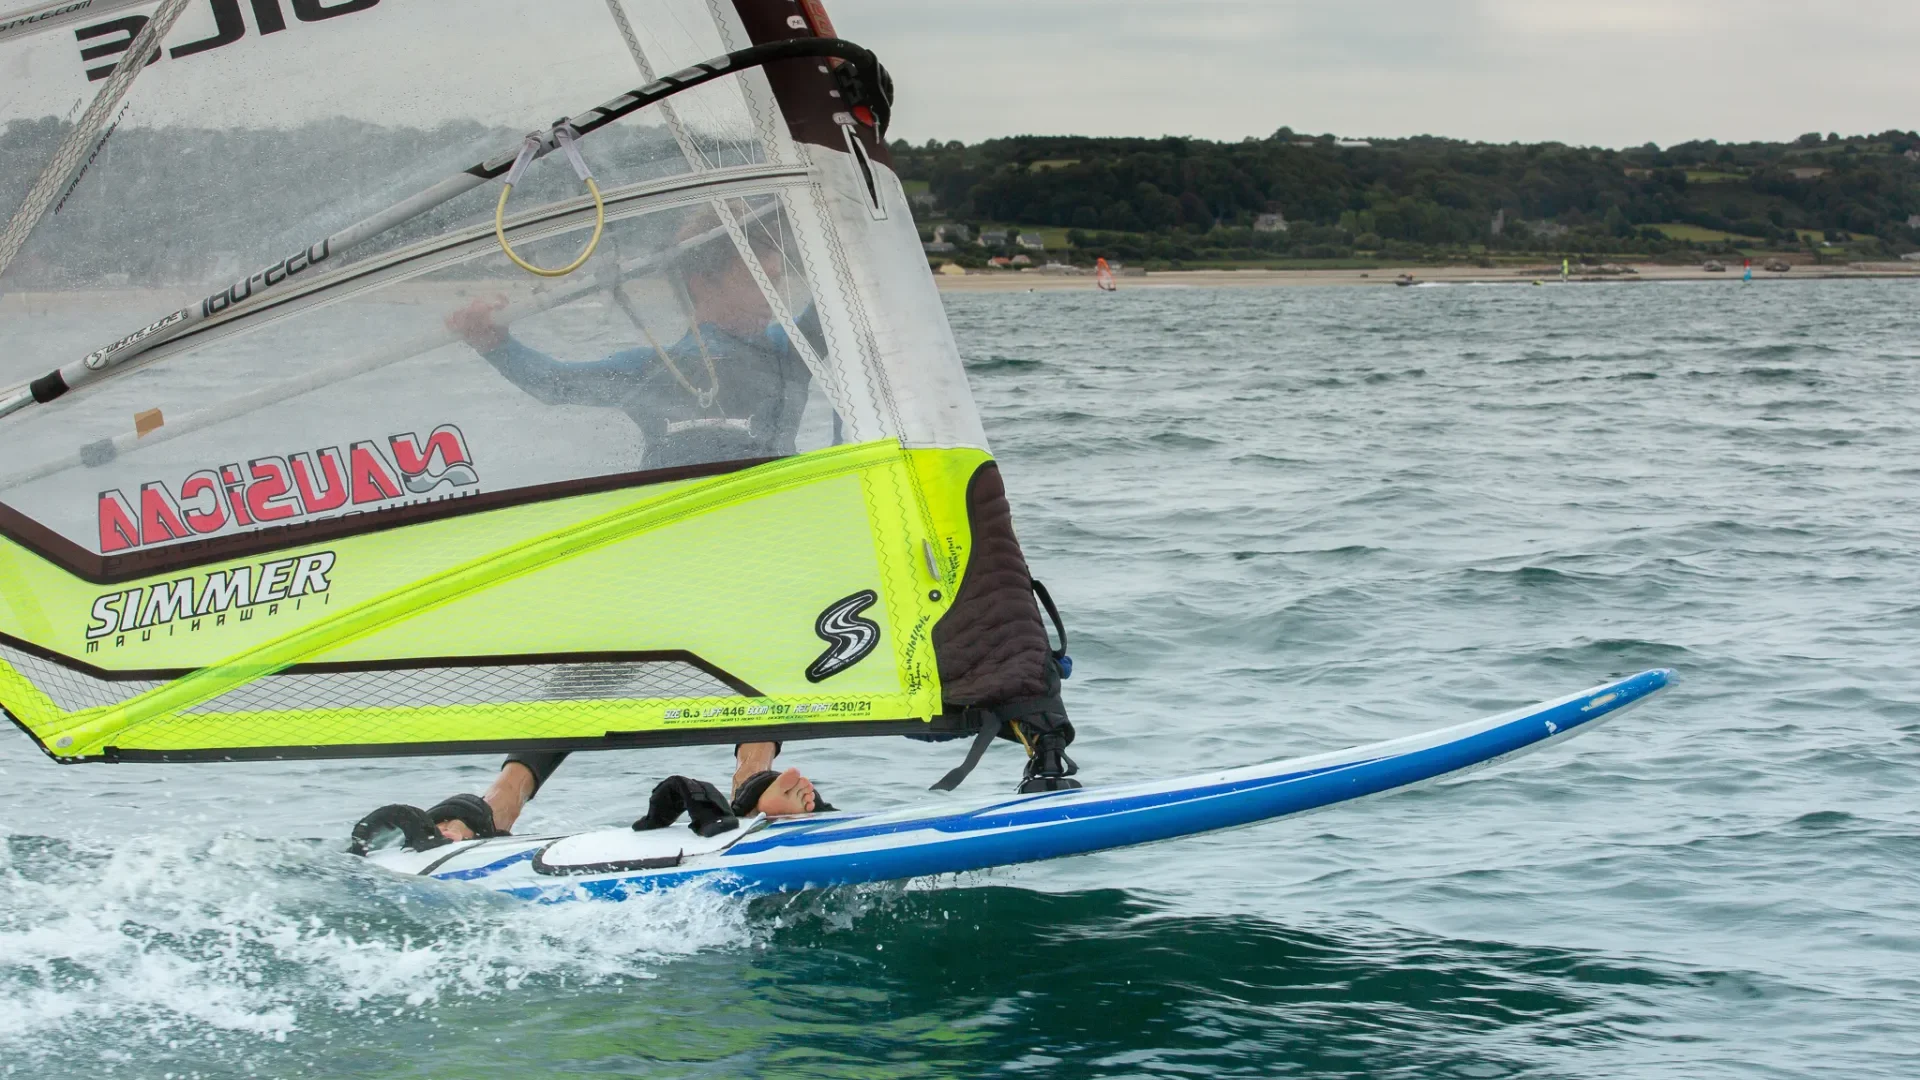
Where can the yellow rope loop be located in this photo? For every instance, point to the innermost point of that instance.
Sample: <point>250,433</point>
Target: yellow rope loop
<point>599,226</point>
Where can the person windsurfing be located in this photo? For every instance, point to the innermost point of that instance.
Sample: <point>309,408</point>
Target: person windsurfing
<point>731,388</point>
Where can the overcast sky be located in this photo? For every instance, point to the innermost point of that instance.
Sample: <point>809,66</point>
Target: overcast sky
<point>1590,72</point>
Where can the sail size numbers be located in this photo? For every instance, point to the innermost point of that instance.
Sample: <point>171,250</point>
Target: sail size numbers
<point>860,707</point>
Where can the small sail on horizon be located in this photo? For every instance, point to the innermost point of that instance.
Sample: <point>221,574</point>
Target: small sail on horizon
<point>1103,276</point>
<point>724,481</point>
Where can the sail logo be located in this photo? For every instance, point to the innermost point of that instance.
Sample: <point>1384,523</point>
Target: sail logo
<point>849,637</point>
<point>189,601</point>
<point>279,490</point>
<point>229,26</point>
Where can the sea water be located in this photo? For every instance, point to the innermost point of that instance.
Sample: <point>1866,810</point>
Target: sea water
<point>1278,521</point>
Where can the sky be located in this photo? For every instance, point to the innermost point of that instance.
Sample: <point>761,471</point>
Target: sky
<point>1586,72</point>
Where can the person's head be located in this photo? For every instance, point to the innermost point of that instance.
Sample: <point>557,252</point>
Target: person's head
<point>720,285</point>
<point>777,794</point>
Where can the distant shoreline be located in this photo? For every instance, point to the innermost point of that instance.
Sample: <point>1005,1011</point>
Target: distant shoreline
<point>1032,281</point>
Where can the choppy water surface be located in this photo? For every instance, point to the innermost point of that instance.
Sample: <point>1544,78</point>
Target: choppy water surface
<point>1279,521</point>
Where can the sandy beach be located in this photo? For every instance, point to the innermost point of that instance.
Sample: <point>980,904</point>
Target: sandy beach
<point>1025,280</point>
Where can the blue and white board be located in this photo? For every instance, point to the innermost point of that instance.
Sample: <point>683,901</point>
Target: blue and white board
<point>781,854</point>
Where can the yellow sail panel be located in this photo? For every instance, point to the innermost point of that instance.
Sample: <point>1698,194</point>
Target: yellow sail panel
<point>695,611</point>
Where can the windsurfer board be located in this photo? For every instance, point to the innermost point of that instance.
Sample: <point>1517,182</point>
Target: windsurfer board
<point>951,835</point>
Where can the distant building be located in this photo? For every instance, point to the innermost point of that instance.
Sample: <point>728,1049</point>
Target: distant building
<point>1913,155</point>
<point>1913,221</point>
<point>1808,172</point>
<point>1274,222</point>
<point>1020,260</point>
<point>996,238</point>
<point>924,201</point>
<point>1000,261</point>
<point>1352,142</point>
<point>1031,241</point>
<point>937,247</point>
<point>959,234</point>
<point>1911,256</point>
<point>1499,223</point>
<point>1545,228</point>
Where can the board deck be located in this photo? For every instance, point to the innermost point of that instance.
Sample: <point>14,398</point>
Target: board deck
<point>951,835</point>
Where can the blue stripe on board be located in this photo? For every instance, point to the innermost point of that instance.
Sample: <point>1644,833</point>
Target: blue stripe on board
<point>489,869</point>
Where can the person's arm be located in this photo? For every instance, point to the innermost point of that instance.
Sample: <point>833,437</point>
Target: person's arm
<point>550,381</point>
<point>558,382</point>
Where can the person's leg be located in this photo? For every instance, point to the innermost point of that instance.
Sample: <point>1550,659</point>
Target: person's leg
<point>521,777</point>
<point>751,759</point>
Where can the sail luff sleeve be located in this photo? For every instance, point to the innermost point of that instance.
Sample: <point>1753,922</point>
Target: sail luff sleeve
<point>253,290</point>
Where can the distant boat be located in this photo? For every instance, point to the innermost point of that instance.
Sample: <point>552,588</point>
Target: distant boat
<point>1103,276</point>
<point>1403,280</point>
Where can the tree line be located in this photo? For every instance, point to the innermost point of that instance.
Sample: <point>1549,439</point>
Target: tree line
<point>1183,198</point>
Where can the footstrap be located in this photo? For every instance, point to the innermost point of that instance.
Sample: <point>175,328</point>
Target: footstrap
<point>468,809</point>
<point>702,801</point>
<point>415,827</point>
<point>989,727</point>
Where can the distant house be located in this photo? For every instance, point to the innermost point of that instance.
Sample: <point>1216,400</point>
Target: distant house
<point>1352,142</point>
<point>937,247</point>
<point>1808,172</point>
<point>924,200</point>
<point>1000,261</point>
<point>996,238</point>
<point>1031,241</point>
<point>959,234</point>
<point>1020,260</point>
<point>1273,222</point>
<point>1499,223</point>
<point>1911,256</point>
<point>1545,228</point>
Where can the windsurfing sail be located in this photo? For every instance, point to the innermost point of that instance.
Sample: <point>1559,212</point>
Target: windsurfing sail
<point>1103,276</point>
<point>305,464</point>
<point>1747,264</point>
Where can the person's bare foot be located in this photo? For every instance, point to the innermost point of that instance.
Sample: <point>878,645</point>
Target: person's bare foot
<point>791,793</point>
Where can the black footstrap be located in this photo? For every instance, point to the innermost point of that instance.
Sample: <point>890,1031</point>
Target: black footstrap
<point>468,809</point>
<point>989,727</point>
<point>416,829</point>
<point>702,801</point>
